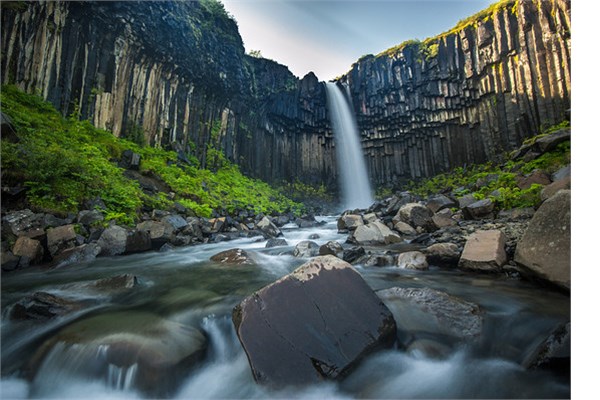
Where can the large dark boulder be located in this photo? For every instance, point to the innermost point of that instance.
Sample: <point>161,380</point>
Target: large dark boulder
<point>313,324</point>
<point>553,353</point>
<point>544,251</point>
<point>416,215</point>
<point>113,241</point>
<point>41,306</point>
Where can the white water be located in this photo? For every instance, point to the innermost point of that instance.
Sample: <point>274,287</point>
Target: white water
<point>356,188</point>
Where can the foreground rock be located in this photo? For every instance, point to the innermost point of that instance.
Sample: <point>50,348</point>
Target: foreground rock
<point>553,353</point>
<point>545,249</point>
<point>233,257</point>
<point>484,251</point>
<point>42,306</point>
<point>313,324</point>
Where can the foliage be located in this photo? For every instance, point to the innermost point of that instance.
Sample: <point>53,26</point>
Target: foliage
<point>255,53</point>
<point>64,162</point>
<point>302,192</point>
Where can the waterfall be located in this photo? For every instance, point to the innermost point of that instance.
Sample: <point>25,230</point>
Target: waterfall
<point>356,189</point>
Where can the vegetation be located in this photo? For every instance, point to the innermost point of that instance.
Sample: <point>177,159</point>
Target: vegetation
<point>498,182</point>
<point>64,161</point>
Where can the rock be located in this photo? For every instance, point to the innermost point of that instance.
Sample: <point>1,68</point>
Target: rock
<point>216,225</point>
<point>116,283</point>
<point>550,142</point>
<point>554,187</point>
<point>138,241</point>
<point>161,352</point>
<point>30,248</point>
<point>269,229</point>
<point>130,160</point>
<point>429,310</point>
<point>332,247</point>
<point>313,324</point>
<point>76,255</point>
<point>307,221</point>
<point>314,236</point>
<point>306,249</point>
<point>371,217</point>
<point>379,260</point>
<point>516,214</point>
<point>89,217</point>
<point>480,209</point>
<point>405,228</point>
<point>412,260</point>
<point>10,262</point>
<point>416,215</point>
<point>51,221</point>
<point>22,221</point>
<point>274,242</point>
<point>465,201</point>
<point>353,254</point>
<point>536,177</point>
<point>42,306</point>
<point>61,238</point>
<point>160,232</point>
<point>440,202</point>
<point>443,221</point>
<point>553,353</point>
<point>181,240</point>
<point>177,222</point>
<point>113,241</point>
<point>563,173</point>
<point>484,251</point>
<point>443,254</point>
<point>349,222</point>
<point>234,257</point>
<point>165,247</point>
<point>375,233</point>
<point>544,251</point>
<point>281,220</point>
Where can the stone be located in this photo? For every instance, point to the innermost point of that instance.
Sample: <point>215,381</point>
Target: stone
<point>517,214</point>
<point>113,241</point>
<point>216,225</point>
<point>41,306</point>
<point>563,173</point>
<point>116,283</point>
<point>234,257</point>
<point>61,238</point>
<point>544,251</point>
<point>536,177</point>
<point>443,221</point>
<point>484,251</point>
<point>416,215</point>
<point>379,260</point>
<point>177,222</point>
<point>9,261</point>
<point>466,201</point>
<point>405,228</point>
<point>412,260</point>
<point>269,229</point>
<point>349,222</point>
<point>316,323</point>
<point>480,209</point>
<point>352,254</point>
<point>440,202</point>
<point>76,255</point>
<point>130,160</point>
<point>160,232</point>
<point>30,248</point>
<point>550,142</point>
<point>554,187</point>
<point>306,249</point>
<point>276,242</point>
<point>89,217</point>
<point>332,247</point>
<point>314,236</point>
<point>433,311</point>
<point>553,353</point>
<point>52,221</point>
<point>371,217</point>
<point>443,254</point>
<point>281,220</point>
<point>138,241</point>
<point>375,233</point>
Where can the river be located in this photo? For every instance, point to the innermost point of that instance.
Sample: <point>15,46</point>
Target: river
<point>184,286</point>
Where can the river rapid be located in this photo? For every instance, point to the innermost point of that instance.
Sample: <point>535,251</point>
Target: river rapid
<point>182,285</point>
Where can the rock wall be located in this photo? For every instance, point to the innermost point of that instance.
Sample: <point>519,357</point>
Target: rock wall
<point>177,71</point>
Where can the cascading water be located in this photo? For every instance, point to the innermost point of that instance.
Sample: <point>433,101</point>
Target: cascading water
<point>356,189</point>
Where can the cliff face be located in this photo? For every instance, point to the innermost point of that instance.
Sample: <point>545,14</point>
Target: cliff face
<point>177,71</point>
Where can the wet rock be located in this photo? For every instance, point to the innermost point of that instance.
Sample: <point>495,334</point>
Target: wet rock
<point>553,353</point>
<point>89,217</point>
<point>375,233</point>
<point>42,306</point>
<point>281,220</point>
<point>429,348</point>
<point>545,249</point>
<point>113,241</point>
<point>352,254</point>
<point>554,187</point>
<point>332,247</point>
<point>349,222</point>
<point>30,248</point>
<point>405,228</point>
<point>443,254</point>
<point>116,283</point>
<point>10,262</point>
<point>138,241</point>
<point>61,238</point>
<point>371,217</point>
<point>307,221</point>
<point>314,236</point>
<point>306,249</point>
<point>379,260</point>
<point>269,229</point>
<point>484,251</point>
<point>166,247</point>
<point>412,260</point>
<point>76,255</point>
<point>22,221</point>
<point>416,215</point>
<point>160,232</point>
<point>433,311</point>
<point>274,242</point>
<point>480,209</point>
<point>440,202</point>
<point>313,324</point>
<point>234,257</point>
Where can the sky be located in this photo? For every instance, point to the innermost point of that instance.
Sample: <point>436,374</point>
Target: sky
<point>328,36</point>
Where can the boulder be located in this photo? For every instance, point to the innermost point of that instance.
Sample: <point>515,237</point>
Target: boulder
<point>479,209</point>
<point>316,323</point>
<point>433,311</point>
<point>352,254</point>
<point>405,228</point>
<point>564,172</point>
<point>61,238</point>
<point>443,254</point>
<point>484,251</point>
<point>269,229</point>
<point>416,215</point>
<point>41,306</point>
<point>515,214</point>
<point>115,283</point>
<point>332,247</point>
<point>76,255</point>
<point>130,160</point>
<point>113,241</point>
<point>89,217</point>
<point>412,260</point>
<point>554,187</point>
<point>544,251</point>
<point>234,257</point>
<point>553,353</point>
<point>307,221</point>
<point>440,202</point>
<point>375,233</point>
<point>443,221</point>
<point>371,217</point>
<point>379,260</point>
<point>30,248</point>
<point>275,242</point>
<point>466,200</point>
<point>9,261</point>
<point>536,177</point>
<point>281,220</point>
<point>22,221</point>
<point>306,249</point>
<point>215,225</point>
<point>550,142</point>
<point>160,232</point>
<point>177,222</point>
<point>314,236</point>
<point>138,241</point>
<point>349,222</point>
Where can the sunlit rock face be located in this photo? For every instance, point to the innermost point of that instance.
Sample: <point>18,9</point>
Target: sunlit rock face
<point>178,72</point>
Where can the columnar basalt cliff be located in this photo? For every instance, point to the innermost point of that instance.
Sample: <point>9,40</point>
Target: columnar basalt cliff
<point>177,71</point>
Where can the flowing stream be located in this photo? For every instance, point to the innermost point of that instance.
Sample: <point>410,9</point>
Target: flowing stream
<point>356,189</point>
<point>183,286</point>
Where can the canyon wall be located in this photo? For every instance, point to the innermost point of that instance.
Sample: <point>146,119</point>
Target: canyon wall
<point>177,72</point>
